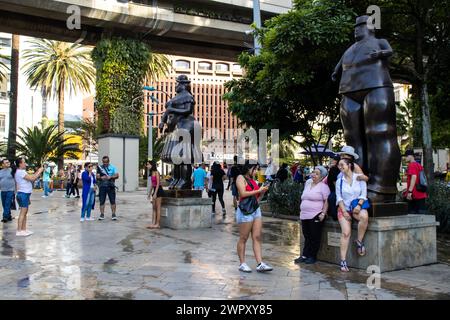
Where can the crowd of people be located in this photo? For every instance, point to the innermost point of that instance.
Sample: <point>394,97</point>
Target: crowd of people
<point>338,190</point>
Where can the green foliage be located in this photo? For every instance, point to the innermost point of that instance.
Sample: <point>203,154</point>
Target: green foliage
<point>284,198</point>
<point>52,65</point>
<point>39,145</point>
<point>439,204</point>
<point>288,87</point>
<point>122,65</point>
<point>3,67</point>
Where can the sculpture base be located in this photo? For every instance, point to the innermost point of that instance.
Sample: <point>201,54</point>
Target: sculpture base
<point>392,243</point>
<point>183,193</point>
<point>388,209</point>
<point>185,212</point>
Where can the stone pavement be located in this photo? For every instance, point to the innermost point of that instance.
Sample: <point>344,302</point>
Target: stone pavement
<point>67,259</point>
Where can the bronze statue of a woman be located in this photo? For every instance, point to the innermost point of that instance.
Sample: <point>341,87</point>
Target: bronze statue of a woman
<point>182,144</point>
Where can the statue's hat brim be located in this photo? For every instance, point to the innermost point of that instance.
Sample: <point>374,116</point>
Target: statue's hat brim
<point>361,20</point>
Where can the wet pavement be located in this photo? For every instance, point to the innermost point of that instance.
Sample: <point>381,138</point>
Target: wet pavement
<point>67,259</point>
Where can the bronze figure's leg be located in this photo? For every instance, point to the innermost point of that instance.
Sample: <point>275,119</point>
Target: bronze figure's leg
<point>351,118</point>
<point>382,146</point>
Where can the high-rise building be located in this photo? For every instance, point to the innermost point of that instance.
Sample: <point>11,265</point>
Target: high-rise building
<point>219,126</point>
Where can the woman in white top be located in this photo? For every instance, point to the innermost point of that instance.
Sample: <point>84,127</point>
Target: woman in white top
<point>351,196</point>
<point>24,186</point>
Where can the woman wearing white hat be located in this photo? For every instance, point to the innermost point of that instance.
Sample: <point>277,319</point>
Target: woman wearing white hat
<point>348,152</point>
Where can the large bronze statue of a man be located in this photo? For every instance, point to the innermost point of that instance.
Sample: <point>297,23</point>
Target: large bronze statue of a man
<point>182,144</point>
<point>368,112</point>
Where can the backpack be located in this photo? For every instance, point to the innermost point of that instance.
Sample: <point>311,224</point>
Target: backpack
<point>422,184</point>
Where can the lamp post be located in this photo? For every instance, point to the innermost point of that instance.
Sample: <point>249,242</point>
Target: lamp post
<point>257,22</point>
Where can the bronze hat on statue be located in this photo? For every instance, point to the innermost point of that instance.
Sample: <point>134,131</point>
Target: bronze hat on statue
<point>183,79</point>
<point>361,20</point>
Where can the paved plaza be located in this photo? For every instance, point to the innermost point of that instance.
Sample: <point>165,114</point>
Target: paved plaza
<point>67,259</point>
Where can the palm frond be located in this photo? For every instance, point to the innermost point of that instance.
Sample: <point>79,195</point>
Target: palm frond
<point>159,66</point>
<point>3,67</point>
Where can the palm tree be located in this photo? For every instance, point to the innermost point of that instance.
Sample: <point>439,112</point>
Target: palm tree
<point>14,87</point>
<point>39,145</point>
<point>55,66</point>
<point>3,67</point>
<point>158,67</point>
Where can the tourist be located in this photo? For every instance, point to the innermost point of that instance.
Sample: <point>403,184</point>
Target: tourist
<point>7,187</point>
<point>248,217</point>
<point>331,179</point>
<point>106,177</point>
<point>218,175</point>
<point>298,176</point>
<point>88,192</point>
<point>351,197</point>
<point>24,186</point>
<point>233,175</point>
<point>313,210</point>
<point>348,152</point>
<point>293,168</point>
<point>155,194</point>
<point>283,173</point>
<point>415,198</point>
<point>76,180</point>
<point>46,180</point>
<point>199,177</point>
<point>69,180</point>
<point>227,170</point>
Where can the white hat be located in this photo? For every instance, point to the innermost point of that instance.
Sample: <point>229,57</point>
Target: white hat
<point>349,150</point>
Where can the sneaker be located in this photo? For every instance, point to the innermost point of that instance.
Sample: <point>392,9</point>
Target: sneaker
<point>44,196</point>
<point>28,233</point>
<point>82,219</point>
<point>90,219</point>
<point>300,259</point>
<point>262,267</point>
<point>102,217</point>
<point>114,217</point>
<point>310,261</point>
<point>20,234</point>
<point>77,197</point>
<point>66,196</point>
<point>245,268</point>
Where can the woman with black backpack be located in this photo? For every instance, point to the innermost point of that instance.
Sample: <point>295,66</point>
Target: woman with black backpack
<point>248,217</point>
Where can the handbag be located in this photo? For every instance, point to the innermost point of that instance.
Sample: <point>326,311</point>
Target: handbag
<point>354,203</point>
<point>250,204</point>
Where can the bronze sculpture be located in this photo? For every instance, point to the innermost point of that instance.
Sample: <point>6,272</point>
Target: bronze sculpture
<point>182,144</point>
<point>368,112</point>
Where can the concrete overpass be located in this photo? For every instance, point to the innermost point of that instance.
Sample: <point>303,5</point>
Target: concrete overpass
<point>213,29</point>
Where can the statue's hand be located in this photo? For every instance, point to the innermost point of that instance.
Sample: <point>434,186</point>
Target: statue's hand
<point>375,54</point>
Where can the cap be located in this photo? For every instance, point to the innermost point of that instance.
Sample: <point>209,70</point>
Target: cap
<point>183,79</point>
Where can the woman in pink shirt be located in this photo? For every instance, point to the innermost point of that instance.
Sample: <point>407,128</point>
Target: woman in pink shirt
<point>313,209</point>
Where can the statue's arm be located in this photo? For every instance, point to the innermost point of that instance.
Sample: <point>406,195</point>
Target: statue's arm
<point>385,52</point>
<point>184,110</point>
<point>337,69</point>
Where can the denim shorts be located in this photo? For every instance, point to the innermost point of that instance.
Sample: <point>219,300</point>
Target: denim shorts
<point>242,218</point>
<point>23,199</point>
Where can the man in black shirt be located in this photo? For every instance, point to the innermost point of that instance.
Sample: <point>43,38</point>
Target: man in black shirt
<point>331,181</point>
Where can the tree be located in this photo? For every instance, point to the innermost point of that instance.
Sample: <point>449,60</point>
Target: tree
<point>158,67</point>
<point>288,86</point>
<point>39,145</point>
<point>55,67</point>
<point>3,67</point>
<point>15,47</point>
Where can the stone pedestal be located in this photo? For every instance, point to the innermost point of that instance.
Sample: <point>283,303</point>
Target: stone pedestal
<point>186,213</point>
<point>123,152</point>
<point>392,243</point>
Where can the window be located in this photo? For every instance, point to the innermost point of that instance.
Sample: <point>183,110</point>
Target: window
<point>397,95</point>
<point>2,122</point>
<point>222,67</point>
<point>182,64</point>
<point>4,89</point>
<point>237,68</point>
<point>205,66</point>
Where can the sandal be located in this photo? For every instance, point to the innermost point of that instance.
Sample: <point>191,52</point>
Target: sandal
<point>360,248</point>
<point>344,267</point>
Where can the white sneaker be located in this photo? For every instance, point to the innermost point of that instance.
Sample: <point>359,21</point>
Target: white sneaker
<point>82,219</point>
<point>245,268</point>
<point>44,196</point>
<point>28,233</point>
<point>20,234</point>
<point>262,267</point>
<point>90,219</point>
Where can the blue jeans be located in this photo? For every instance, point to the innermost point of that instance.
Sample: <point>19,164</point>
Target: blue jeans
<point>46,188</point>
<point>7,197</point>
<point>89,201</point>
